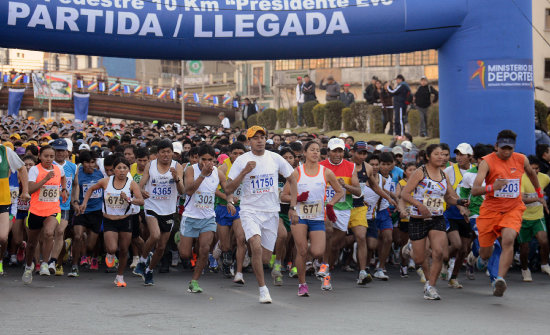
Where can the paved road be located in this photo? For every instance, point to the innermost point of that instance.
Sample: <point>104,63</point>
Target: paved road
<point>92,305</point>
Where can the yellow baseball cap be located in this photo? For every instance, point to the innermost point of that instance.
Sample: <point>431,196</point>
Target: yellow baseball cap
<point>16,136</point>
<point>95,143</point>
<point>26,144</point>
<point>253,130</point>
<point>108,134</point>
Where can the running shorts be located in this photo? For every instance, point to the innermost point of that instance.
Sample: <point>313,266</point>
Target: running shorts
<point>530,228</point>
<point>419,228</point>
<point>313,225</point>
<point>342,219</point>
<point>91,220</point>
<point>490,224</point>
<point>264,224</point>
<point>165,222</point>
<point>117,226</point>
<point>223,217</point>
<point>358,217</point>
<point>192,227</point>
<point>35,222</point>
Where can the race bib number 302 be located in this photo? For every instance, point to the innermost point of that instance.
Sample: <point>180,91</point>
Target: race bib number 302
<point>261,184</point>
<point>204,200</point>
<point>511,190</point>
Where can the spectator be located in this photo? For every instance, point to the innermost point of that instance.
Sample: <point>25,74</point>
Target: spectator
<point>247,111</point>
<point>347,97</point>
<point>423,100</point>
<point>332,88</point>
<point>309,89</point>
<point>224,121</point>
<point>543,154</point>
<point>400,94</point>
<point>383,97</point>
<point>369,91</point>
<point>300,100</point>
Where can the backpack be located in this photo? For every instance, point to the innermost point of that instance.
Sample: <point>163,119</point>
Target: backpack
<point>408,98</point>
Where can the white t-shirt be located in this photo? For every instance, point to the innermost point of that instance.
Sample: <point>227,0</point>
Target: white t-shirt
<point>225,123</point>
<point>33,172</point>
<point>450,171</point>
<point>259,187</point>
<point>14,161</point>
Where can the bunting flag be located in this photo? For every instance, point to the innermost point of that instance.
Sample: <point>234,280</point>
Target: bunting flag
<point>14,100</point>
<point>138,89</point>
<point>149,90</point>
<point>173,94</point>
<point>26,79</point>
<point>215,100</point>
<point>227,100</point>
<point>127,89</point>
<point>6,78</point>
<point>235,104</point>
<point>161,94</point>
<point>186,96</point>
<point>17,79</point>
<point>81,103</point>
<point>114,87</point>
<point>80,83</point>
<point>196,97</point>
<point>101,86</point>
<point>92,86</point>
<point>207,97</point>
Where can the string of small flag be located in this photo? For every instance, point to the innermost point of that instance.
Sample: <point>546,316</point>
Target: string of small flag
<point>101,86</point>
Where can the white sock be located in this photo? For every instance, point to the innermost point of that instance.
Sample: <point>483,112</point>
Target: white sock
<point>142,260</point>
<point>120,278</point>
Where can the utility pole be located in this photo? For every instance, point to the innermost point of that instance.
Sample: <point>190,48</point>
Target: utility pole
<point>182,93</point>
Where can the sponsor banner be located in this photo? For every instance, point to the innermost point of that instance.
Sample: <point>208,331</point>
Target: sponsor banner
<point>491,74</point>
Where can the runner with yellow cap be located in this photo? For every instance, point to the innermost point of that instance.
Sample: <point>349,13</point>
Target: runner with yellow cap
<point>258,171</point>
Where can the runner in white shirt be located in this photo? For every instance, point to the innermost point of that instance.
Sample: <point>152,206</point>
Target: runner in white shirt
<point>199,219</point>
<point>160,185</point>
<point>258,171</point>
<point>121,198</point>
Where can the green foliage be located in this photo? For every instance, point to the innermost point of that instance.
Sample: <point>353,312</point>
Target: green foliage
<point>359,111</point>
<point>268,118</point>
<point>294,116</point>
<point>253,120</point>
<point>307,110</point>
<point>414,122</point>
<point>319,112</point>
<point>283,115</point>
<point>433,121</point>
<point>348,119</point>
<point>333,114</point>
<point>238,124</point>
<point>541,114</point>
<point>374,115</point>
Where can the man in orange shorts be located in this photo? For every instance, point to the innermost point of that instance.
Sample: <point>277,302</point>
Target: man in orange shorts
<point>501,213</point>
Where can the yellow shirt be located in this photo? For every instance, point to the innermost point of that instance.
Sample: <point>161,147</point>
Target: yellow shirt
<point>534,210</point>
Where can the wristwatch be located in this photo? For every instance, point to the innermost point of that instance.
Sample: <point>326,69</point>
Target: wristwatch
<point>293,208</point>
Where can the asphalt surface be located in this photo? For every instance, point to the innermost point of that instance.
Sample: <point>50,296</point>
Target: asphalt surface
<point>91,304</point>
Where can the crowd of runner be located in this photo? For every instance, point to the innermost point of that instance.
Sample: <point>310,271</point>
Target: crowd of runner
<point>74,195</point>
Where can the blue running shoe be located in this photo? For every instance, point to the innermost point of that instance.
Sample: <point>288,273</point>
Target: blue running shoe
<point>213,264</point>
<point>139,270</point>
<point>149,279</point>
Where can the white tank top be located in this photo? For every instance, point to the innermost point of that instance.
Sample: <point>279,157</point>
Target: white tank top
<point>113,204</point>
<point>163,193</point>
<point>201,204</point>
<point>431,194</point>
<point>371,198</point>
<point>388,186</point>
<point>314,207</point>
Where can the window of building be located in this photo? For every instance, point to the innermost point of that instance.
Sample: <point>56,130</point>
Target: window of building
<point>171,66</point>
<point>258,73</point>
<point>547,68</point>
<point>547,19</point>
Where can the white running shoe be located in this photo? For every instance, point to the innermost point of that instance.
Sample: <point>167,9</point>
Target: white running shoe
<point>526,274</point>
<point>379,274</point>
<point>545,269</point>
<point>135,261</point>
<point>265,298</point>
<point>246,261</point>
<point>44,270</point>
<point>217,252</point>
<point>421,274</point>
<point>238,278</point>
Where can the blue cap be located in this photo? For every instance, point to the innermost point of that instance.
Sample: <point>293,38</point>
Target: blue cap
<point>59,144</point>
<point>506,142</point>
<point>360,146</point>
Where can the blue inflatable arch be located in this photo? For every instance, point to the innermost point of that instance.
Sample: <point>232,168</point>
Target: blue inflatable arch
<point>485,46</point>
